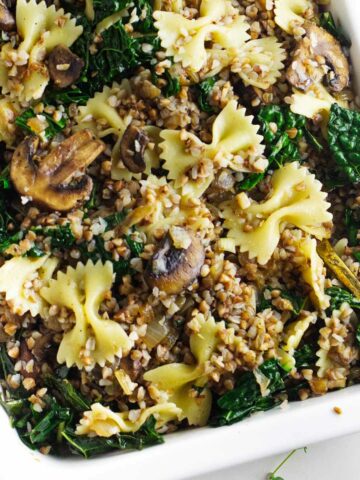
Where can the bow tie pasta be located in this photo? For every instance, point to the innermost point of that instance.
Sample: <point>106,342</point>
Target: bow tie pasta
<point>23,72</point>
<point>259,62</point>
<point>296,199</point>
<point>290,14</point>
<point>185,40</point>
<point>162,207</point>
<point>82,290</point>
<point>235,144</point>
<point>178,379</point>
<point>21,279</point>
<point>102,421</point>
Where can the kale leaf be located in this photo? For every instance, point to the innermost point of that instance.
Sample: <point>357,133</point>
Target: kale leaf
<point>305,356</point>
<point>53,128</point>
<point>67,393</point>
<point>66,96</point>
<point>352,224</point>
<point>281,146</point>
<point>172,87</point>
<point>61,236</point>
<point>344,141</point>
<point>338,296</point>
<point>203,90</point>
<point>118,53</point>
<point>246,399</point>
<point>327,21</point>
<point>88,447</point>
<point>136,248</point>
<point>282,130</point>
<point>8,233</point>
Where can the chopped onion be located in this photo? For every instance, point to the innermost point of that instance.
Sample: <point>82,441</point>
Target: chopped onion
<point>156,331</point>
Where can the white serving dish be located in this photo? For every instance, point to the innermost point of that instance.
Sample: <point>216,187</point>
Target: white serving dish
<point>189,453</point>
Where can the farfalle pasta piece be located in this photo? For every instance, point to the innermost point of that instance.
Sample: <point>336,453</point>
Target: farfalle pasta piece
<point>259,62</point>
<point>16,277</point>
<point>295,199</point>
<point>9,109</point>
<point>82,290</point>
<point>315,101</point>
<point>40,28</point>
<point>290,13</point>
<point>162,207</point>
<point>314,273</point>
<point>294,332</point>
<point>177,379</point>
<point>101,115</point>
<point>103,422</point>
<point>235,139</point>
<point>185,39</point>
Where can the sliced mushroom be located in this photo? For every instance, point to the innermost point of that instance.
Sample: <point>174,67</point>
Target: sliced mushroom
<point>57,180</point>
<point>307,66</point>
<point>7,20</point>
<point>132,148</point>
<point>173,269</point>
<point>64,66</point>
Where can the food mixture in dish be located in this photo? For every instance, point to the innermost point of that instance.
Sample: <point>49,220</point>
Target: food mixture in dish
<point>179,215</point>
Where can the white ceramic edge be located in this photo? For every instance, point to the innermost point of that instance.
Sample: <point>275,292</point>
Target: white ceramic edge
<point>189,453</point>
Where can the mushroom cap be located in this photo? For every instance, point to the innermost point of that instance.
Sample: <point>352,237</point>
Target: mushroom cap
<point>64,66</point>
<point>317,44</point>
<point>56,181</point>
<point>173,269</point>
<point>7,19</point>
<point>132,148</point>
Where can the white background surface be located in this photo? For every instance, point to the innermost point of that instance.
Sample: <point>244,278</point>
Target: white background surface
<point>332,460</point>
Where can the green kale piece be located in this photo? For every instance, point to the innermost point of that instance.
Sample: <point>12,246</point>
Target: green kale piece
<point>203,90</point>
<point>67,393</point>
<point>305,356</point>
<point>66,96</point>
<point>88,447</point>
<point>344,141</point>
<point>54,126</point>
<point>338,296</point>
<point>246,399</point>
<point>276,121</point>
<point>352,224</point>
<point>173,85</point>
<point>136,247</point>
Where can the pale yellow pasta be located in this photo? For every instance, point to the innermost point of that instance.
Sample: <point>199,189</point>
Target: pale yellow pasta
<point>314,273</point>
<point>16,276</point>
<point>324,362</point>
<point>290,13</point>
<point>82,290</point>
<point>9,109</point>
<point>294,332</point>
<point>296,199</point>
<point>89,10</point>
<point>314,102</point>
<point>259,62</point>
<point>174,5</point>
<point>235,138</point>
<point>185,39</point>
<point>177,379</point>
<point>162,207</point>
<point>101,116</point>
<point>103,422</point>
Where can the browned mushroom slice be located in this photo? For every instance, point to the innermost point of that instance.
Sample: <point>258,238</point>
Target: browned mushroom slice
<point>57,180</point>
<point>173,269</point>
<point>64,66</point>
<point>7,20</point>
<point>132,148</point>
<point>316,55</point>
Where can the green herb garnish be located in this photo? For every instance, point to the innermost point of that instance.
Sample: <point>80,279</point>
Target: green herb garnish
<point>296,301</point>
